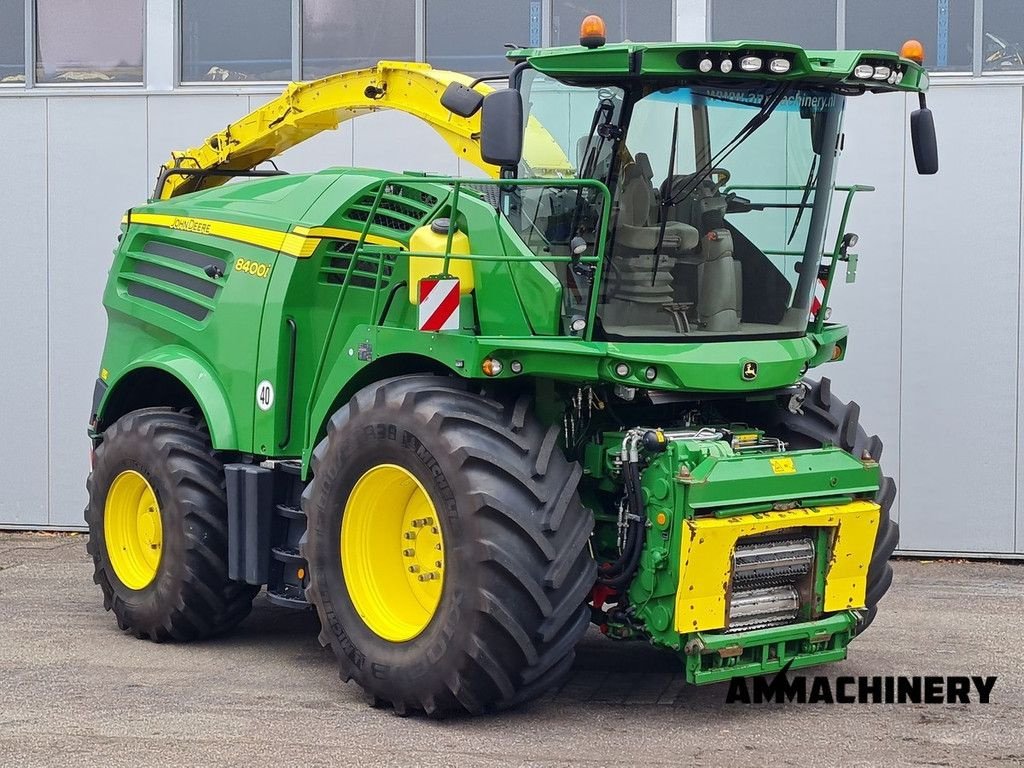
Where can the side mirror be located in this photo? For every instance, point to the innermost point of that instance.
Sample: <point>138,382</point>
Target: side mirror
<point>922,135</point>
<point>461,99</point>
<point>501,128</point>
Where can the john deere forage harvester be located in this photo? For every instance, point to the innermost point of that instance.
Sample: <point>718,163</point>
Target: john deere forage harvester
<point>466,418</point>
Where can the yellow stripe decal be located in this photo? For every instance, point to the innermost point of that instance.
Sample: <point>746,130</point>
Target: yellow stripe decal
<point>300,243</point>
<point>346,234</point>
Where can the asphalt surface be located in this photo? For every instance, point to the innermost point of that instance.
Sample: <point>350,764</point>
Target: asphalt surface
<point>76,691</point>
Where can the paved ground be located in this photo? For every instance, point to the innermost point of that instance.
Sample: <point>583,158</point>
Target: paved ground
<point>76,691</point>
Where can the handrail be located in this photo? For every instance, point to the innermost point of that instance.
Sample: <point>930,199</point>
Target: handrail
<point>818,324</point>
<point>819,318</point>
<point>456,183</point>
<point>797,187</point>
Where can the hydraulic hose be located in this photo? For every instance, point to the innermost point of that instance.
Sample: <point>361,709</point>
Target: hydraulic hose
<point>620,571</point>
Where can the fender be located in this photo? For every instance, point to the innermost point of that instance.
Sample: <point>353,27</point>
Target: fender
<point>198,377</point>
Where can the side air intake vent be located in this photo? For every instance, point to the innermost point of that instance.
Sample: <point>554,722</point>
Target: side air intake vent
<point>178,278</point>
<point>364,272</point>
<point>401,209</point>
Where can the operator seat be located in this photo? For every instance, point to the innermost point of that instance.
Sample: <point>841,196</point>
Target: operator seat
<point>638,228</point>
<point>634,297</point>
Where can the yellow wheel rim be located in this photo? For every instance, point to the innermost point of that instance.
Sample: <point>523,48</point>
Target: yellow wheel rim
<point>133,530</point>
<point>392,551</point>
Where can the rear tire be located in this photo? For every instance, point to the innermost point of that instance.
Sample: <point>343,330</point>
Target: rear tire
<point>825,419</point>
<point>517,565</point>
<point>186,595</point>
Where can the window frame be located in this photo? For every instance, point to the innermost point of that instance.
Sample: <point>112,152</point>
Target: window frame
<point>26,35</point>
<point>169,67</point>
<point>30,63</point>
<point>975,72</point>
<point>547,22</point>
<point>298,29</point>
<point>840,22</point>
<point>251,85</point>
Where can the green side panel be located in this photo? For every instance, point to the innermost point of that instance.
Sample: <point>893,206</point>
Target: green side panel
<point>733,480</point>
<point>186,366</point>
<point>159,296</point>
<point>276,202</point>
<point>539,291</point>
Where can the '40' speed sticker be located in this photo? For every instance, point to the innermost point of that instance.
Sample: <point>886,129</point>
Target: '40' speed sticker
<point>265,395</point>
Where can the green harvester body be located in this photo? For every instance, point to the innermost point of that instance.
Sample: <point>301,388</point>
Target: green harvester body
<point>302,282</point>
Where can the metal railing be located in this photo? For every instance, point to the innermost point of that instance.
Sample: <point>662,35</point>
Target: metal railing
<point>362,249</point>
<point>835,254</point>
<point>456,184</point>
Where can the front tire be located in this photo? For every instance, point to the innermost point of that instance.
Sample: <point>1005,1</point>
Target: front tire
<point>512,533</point>
<point>826,420</point>
<point>157,520</point>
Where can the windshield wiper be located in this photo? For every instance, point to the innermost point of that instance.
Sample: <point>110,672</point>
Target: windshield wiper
<point>604,128</point>
<point>664,205</point>
<point>812,180</point>
<point>768,106</point>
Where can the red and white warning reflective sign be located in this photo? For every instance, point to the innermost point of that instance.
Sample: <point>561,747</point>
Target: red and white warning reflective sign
<point>439,304</point>
<point>816,304</point>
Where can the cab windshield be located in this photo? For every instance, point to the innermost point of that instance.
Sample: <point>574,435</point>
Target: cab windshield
<point>721,199</point>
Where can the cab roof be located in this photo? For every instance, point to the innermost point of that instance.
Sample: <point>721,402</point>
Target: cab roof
<point>680,62</point>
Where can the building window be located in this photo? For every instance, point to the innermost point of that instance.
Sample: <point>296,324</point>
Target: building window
<point>472,37</point>
<point>339,35</point>
<point>236,40</point>
<point>12,41</point>
<point>945,27</point>
<point>646,22</point>
<point>1003,36</point>
<point>810,24</point>
<point>81,41</point>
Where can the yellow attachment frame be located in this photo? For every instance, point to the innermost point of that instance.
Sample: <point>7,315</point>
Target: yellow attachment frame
<point>707,552</point>
<point>308,108</point>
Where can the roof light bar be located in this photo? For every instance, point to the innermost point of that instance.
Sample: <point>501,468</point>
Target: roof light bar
<point>750,63</point>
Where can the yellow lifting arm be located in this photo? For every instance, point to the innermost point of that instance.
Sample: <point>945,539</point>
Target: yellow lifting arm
<point>305,109</point>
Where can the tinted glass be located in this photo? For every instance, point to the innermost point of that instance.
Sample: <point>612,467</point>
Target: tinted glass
<point>1003,36</point>
<point>80,41</point>
<point>808,23</point>
<point>945,27</point>
<point>471,37</point>
<point>338,35</point>
<point>649,21</point>
<point>236,40</point>
<point>12,41</point>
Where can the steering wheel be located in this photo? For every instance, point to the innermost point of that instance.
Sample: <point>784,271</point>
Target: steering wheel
<point>717,178</point>
<point>720,177</point>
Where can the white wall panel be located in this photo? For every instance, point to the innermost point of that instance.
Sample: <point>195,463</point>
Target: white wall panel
<point>960,321</point>
<point>934,310</point>
<point>97,168</point>
<point>399,142</point>
<point>23,317</point>
<point>870,374</point>
<point>177,122</point>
